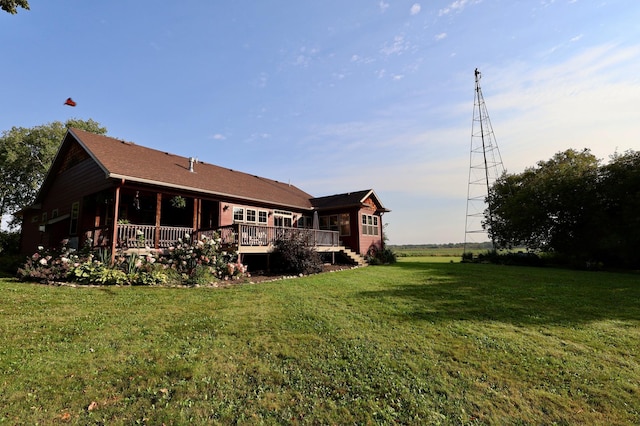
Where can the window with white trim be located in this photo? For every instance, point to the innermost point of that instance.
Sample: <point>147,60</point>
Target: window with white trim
<point>262,217</point>
<point>282,218</point>
<point>251,215</point>
<point>238,214</point>
<point>369,225</point>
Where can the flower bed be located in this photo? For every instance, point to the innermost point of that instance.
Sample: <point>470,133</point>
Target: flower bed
<point>188,262</point>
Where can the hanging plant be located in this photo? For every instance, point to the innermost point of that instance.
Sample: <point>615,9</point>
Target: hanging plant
<point>178,202</point>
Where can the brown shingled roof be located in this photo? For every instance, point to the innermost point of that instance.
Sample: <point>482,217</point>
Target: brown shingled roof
<point>133,162</point>
<point>349,199</point>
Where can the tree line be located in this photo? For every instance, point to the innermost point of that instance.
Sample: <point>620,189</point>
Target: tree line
<point>573,206</point>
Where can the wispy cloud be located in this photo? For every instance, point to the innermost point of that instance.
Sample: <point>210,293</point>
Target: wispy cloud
<point>262,80</point>
<point>415,9</point>
<point>398,46</point>
<point>455,7</point>
<point>358,59</point>
<point>441,36</point>
<point>304,56</point>
<point>587,100</point>
<point>383,6</point>
<point>218,137</point>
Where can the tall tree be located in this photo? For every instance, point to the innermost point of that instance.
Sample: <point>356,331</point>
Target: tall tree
<point>619,191</point>
<point>25,157</point>
<point>547,207</point>
<point>11,6</point>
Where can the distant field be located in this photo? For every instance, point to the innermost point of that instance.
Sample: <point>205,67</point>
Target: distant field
<point>422,251</point>
<point>419,342</point>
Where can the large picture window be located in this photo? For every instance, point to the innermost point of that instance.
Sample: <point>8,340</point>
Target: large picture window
<point>337,222</point>
<point>369,225</point>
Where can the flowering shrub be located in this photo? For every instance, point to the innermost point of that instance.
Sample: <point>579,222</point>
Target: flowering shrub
<point>49,266</point>
<point>194,262</point>
<point>195,259</point>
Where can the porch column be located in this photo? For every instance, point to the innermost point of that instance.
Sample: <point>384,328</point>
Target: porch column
<point>196,214</point>
<point>381,231</point>
<point>156,243</point>
<point>114,234</point>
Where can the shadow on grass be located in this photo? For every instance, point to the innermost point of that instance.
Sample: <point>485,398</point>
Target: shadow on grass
<point>519,295</point>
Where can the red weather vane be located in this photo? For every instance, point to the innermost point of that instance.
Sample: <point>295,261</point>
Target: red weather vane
<point>70,102</point>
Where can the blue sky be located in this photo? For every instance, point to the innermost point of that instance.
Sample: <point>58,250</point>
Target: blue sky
<point>336,96</point>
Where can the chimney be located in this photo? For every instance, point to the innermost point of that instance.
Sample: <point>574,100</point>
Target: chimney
<point>191,163</point>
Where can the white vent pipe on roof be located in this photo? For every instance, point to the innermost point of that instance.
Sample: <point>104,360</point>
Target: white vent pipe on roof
<point>192,161</point>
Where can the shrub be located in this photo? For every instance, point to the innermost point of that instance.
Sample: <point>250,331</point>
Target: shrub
<point>10,258</point>
<point>194,260</point>
<point>377,256</point>
<point>197,262</point>
<point>9,242</point>
<point>516,259</point>
<point>292,255</point>
<point>98,273</point>
<point>49,266</point>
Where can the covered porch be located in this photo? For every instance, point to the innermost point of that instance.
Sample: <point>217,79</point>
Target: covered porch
<point>244,238</point>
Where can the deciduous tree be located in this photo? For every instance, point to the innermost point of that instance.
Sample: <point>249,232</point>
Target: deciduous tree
<point>25,157</point>
<point>11,6</point>
<point>547,207</point>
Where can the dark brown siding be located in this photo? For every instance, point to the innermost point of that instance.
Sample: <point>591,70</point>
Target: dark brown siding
<point>68,187</point>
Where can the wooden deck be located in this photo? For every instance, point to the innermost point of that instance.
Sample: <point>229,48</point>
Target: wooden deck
<point>260,239</point>
<point>241,237</point>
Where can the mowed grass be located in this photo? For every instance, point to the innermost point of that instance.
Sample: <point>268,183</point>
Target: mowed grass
<point>417,342</point>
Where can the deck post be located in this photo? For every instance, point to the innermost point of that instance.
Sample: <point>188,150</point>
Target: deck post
<point>114,234</point>
<point>156,243</point>
<point>196,214</point>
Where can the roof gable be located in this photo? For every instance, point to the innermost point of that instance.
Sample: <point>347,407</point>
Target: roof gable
<point>126,160</point>
<point>349,199</point>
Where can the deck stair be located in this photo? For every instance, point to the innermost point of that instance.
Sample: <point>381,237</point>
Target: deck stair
<point>353,256</point>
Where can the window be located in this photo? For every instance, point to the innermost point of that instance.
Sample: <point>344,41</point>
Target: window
<point>324,222</point>
<point>44,217</point>
<point>75,212</point>
<point>333,222</point>
<point>337,222</point>
<point>262,217</point>
<point>345,225</point>
<point>305,222</point>
<point>282,218</point>
<point>251,215</point>
<point>369,225</point>
<point>238,214</point>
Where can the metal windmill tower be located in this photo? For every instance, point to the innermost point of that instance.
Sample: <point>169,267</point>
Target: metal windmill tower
<point>485,166</point>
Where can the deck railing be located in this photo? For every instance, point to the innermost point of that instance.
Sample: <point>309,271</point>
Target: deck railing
<point>238,235</point>
<point>142,236</point>
<point>244,235</point>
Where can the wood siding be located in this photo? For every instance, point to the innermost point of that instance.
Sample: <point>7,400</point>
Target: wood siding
<point>68,187</point>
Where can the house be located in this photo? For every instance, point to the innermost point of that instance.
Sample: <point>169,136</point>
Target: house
<point>104,192</point>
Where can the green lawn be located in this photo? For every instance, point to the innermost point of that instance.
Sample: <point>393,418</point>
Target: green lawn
<point>417,342</point>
